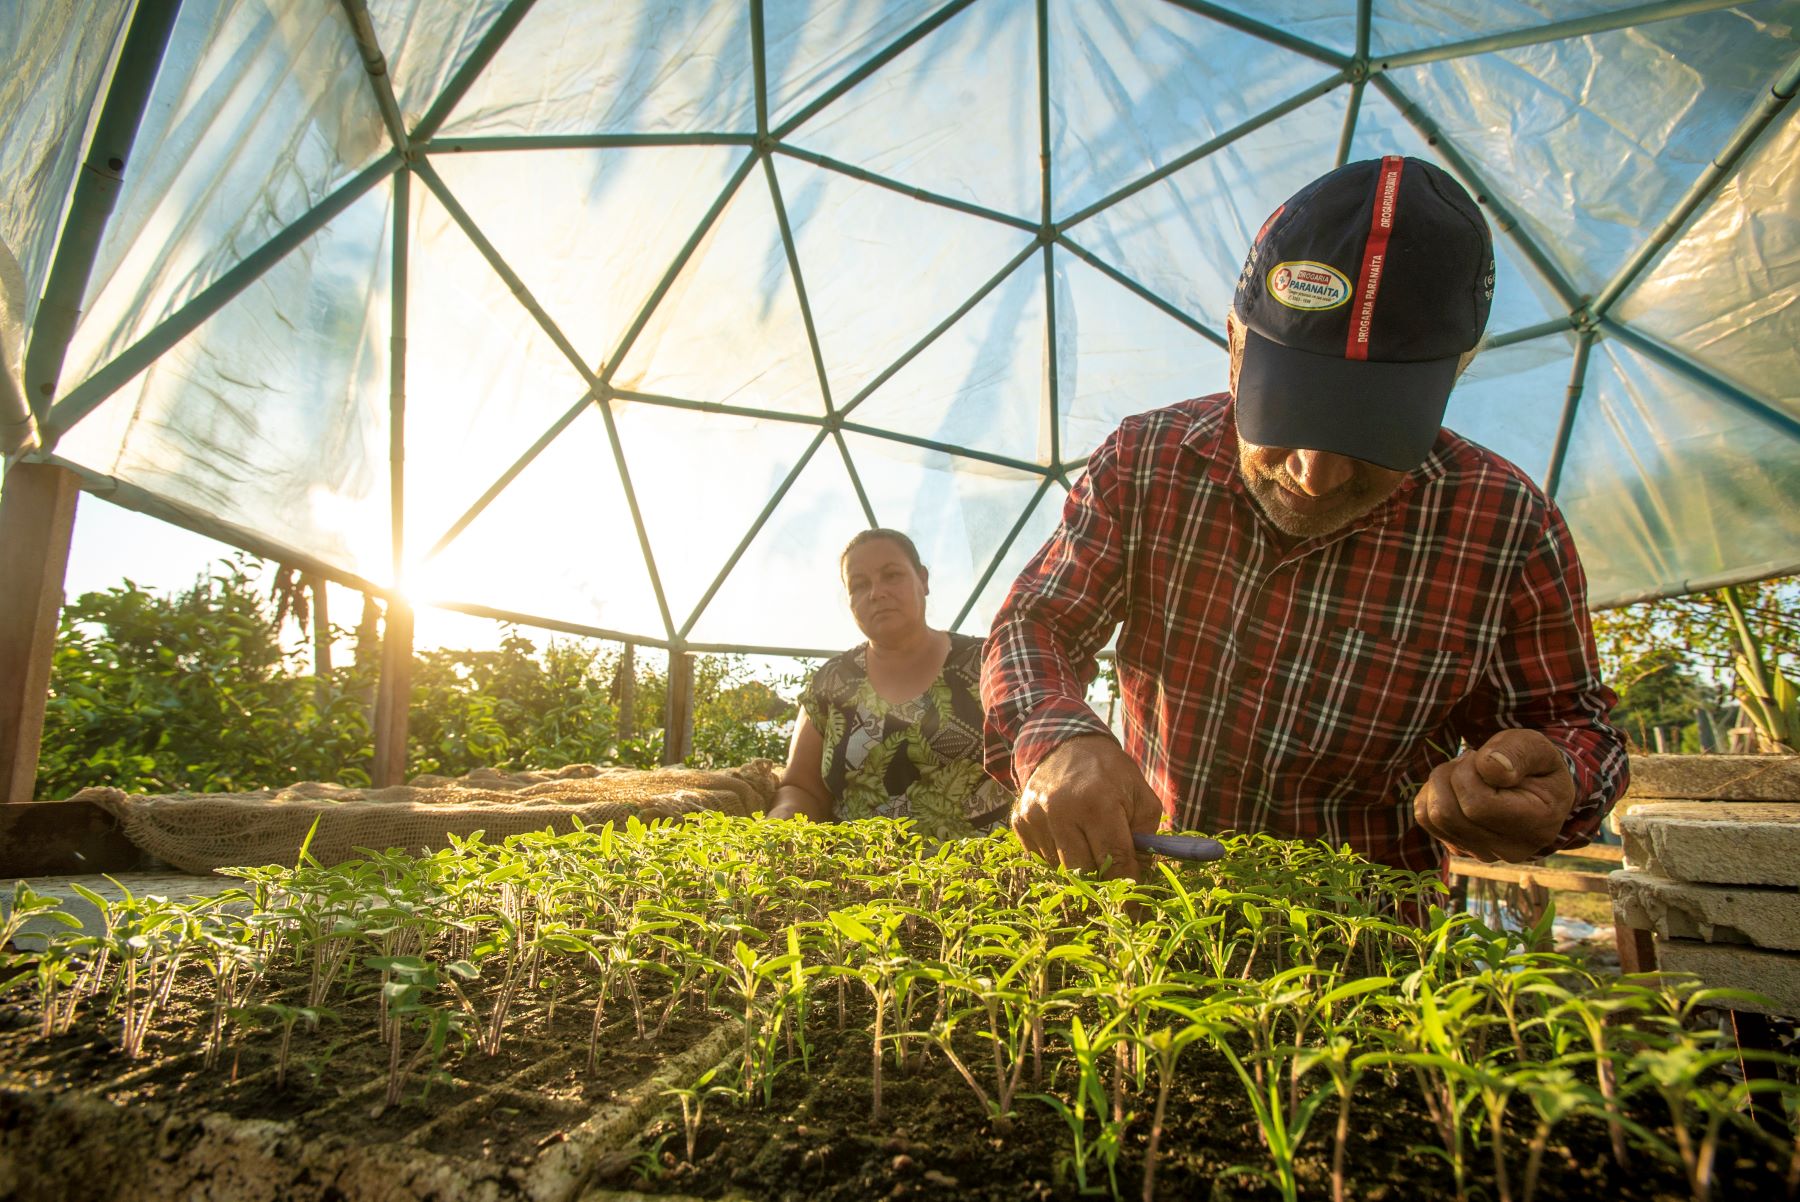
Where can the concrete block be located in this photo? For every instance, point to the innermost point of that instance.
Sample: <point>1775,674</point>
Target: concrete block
<point>1708,778</point>
<point>1774,975</point>
<point>1733,914</point>
<point>176,886</point>
<point>1716,843</point>
<point>1714,778</point>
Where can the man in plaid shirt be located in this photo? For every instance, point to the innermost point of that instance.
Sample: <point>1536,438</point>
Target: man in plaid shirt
<point>1323,594</point>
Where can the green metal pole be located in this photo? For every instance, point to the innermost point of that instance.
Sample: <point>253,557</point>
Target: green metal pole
<point>1047,235</point>
<point>1565,425</point>
<point>139,500</point>
<point>1199,152</point>
<point>756,526</point>
<point>1267,33</point>
<point>85,397</point>
<point>1555,31</point>
<point>932,444</point>
<point>1502,217</point>
<point>455,144</point>
<point>862,494</point>
<point>516,618</point>
<point>97,187</point>
<point>1351,111</point>
<point>397,369</point>
<point>675,268</point>
<point>759,68</point>
<point>793,261</point>
<point>1682,366</point>
<point>509,475</point>
<point>1000,553</point>
<point>502,268</point>
<point>1736,146</point>
<point>1136,289</point>
<point>881,59</point>
<point>1556,325</point>
<point>670,402</point>
<point>637,520</point>
<point>908,190</point>
<point>375,64</point>
<point>937,331</point>
<point>471,69</point>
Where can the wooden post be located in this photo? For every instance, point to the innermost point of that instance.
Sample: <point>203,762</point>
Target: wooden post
<point>37,520</point>
<point>625,694</point>
<point>678,715</point>
<point>321,623</point>
<point>1637,948</point>
<point>394,697</point>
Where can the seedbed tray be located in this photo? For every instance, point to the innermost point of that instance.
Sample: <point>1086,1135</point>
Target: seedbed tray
<point>725,1008</point>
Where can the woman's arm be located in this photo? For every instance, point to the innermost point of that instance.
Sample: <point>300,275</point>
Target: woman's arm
<point>801,790</point>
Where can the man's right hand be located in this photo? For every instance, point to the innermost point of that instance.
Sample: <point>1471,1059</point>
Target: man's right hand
<point>1083,803</point>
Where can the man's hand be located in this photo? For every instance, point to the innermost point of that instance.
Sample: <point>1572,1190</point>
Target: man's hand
<point>1506,801</point>
<point>1082,804</point>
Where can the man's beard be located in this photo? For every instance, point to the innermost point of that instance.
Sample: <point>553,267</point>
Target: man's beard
<point>1361,494</point>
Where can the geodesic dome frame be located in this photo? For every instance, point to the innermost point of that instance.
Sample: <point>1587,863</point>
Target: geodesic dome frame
<point>620,320</point>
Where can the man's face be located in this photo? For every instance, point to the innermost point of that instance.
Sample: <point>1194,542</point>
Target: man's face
<point>1308,493</point>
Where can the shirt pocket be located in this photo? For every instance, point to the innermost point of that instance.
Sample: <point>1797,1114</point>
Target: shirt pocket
<point>1374,703</point>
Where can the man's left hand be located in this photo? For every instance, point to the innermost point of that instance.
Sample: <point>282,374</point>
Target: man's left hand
<point>1506,801</point>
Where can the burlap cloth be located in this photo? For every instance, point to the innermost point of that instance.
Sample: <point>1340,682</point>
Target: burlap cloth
<point>198,832</point>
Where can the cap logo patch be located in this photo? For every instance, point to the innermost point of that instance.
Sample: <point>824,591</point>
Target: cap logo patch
<point>1304,284</point>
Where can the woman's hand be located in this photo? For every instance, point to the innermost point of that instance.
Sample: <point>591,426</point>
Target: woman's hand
<point>801,791</point>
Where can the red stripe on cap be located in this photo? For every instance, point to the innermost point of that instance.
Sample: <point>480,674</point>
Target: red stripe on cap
<point>1368,281</point>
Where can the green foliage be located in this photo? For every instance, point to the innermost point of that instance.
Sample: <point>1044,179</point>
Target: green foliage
<point>1671,657</point>
<point>194,692</point>
<point>1288,977</point>
<point>199,692</point>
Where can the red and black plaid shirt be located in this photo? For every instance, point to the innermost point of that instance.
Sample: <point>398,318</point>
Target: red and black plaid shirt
<point>1304,690</point>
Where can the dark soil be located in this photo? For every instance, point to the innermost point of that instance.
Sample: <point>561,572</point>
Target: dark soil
<point>813,1142</point>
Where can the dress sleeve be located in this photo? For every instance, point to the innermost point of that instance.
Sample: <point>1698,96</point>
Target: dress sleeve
<point>1060,612</point>
<point>1545,676</point>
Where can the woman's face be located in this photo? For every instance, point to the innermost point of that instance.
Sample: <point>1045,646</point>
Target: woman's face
<point>887,594</point>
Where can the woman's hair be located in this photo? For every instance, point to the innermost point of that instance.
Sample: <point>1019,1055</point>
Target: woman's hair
<point>894,536</point>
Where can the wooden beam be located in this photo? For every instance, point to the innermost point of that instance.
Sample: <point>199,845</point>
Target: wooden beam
<point>678,715</point>
<point>1637,948</point>
<point>37,520</point>
<point>393,698</point>
<point>1527,875</point>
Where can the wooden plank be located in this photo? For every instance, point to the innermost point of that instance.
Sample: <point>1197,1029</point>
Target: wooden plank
<point>1609,853</point>
<point>393,700</point>
<point>1527,875</point>
<point>1637,948</point>
<point>37,520</point>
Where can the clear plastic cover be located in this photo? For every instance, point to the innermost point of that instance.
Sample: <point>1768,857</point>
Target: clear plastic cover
<point>624,189</point>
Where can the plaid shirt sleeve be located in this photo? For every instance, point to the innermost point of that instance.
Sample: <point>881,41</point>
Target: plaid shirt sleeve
<point>1060,612</point>
<point>1544,676</point>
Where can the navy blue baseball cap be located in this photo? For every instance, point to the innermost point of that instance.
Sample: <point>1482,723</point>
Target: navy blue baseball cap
<point>1359,297</point>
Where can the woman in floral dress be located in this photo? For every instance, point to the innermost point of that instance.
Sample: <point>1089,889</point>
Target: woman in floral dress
<point>892,728</point>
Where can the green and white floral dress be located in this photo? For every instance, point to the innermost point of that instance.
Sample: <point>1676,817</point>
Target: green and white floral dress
<point>920,758</point>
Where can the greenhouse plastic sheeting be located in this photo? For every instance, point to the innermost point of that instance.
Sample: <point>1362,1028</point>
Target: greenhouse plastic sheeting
<point>623,318</point>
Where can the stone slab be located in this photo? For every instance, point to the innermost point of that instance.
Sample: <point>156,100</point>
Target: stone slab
<point>179,886</point>
<point>1716,843</point>
<point>1733,914</point>
<point>1714,778</point>
<point>1774,975</point>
